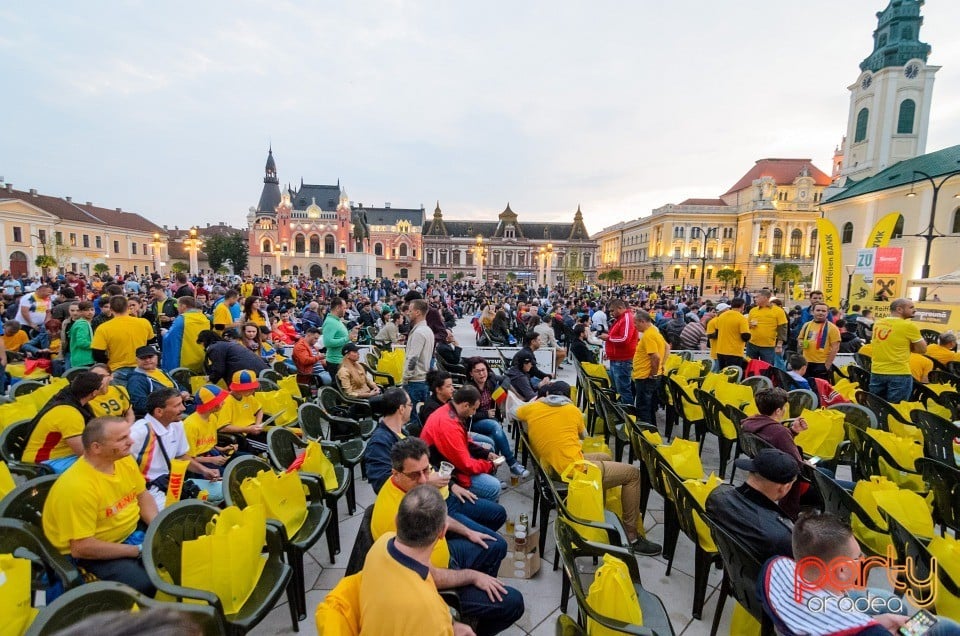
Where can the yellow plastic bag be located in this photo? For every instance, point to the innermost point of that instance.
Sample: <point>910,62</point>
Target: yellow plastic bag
<point>847,389</point>
<point>712,380</point>
<point>316,462</point>
<point>905,409</point>
<point>6,480</point>
<point>692,411</point>
<point>683,455</point>
<point>595,370</point>
<point>281,495</point>
<point>672,362</point>
<point>595,444</point>
<point>700,490</point>
<point>824,433</point>
<point>906,452</point>
<point>281,402</point>
<point>391,363</point>
<point>613,595</point>
<point>652,436</point>
<point>289,384</point>
<point>743,623</point>
<point>906,506</point>
<point>734,394</point>
<point>946,550</point>
<point>18,613</point>
<point>16,411</point>
<point>689,369</point>
<point>940,388</point>
<point>585,497</point>
<point>227,561</point>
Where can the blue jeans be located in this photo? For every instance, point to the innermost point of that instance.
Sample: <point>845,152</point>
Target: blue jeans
<point>418,392</point>
<point>492,617</point>
<point>467,555</point>
<point>493,430</point>
<point>483,440</point>
<point>486,486</point>
<point>892,388</point>
<point>646,391</point>
<point>767,354</point>
<point>620,372</point>
<point>488,514</point>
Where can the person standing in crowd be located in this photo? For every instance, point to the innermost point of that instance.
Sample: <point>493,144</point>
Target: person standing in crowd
<point>335,334</point>
<point>223,359</point>
<point>806,315</point>
<point>180,348</point>
<point>894,339</point>
<point>81,336</point>
<point>652,351</point>
<point>768,329</point>
<point>621,345</point>
<point>819,343</point>
<point>223,317</point>
<point>116,341</point>
<point>161,311</point>
<point>732,332</point>
<point>418,354</point>
<point>35,308</point>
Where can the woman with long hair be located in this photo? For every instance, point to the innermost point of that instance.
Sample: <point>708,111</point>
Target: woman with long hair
<point>500,328</point>
<point>484,421</point>
<point>253,312</point>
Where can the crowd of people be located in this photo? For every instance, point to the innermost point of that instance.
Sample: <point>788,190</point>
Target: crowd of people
<point>113,431</point>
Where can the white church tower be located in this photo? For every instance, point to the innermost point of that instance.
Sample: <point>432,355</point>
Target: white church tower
<point>890,101</point>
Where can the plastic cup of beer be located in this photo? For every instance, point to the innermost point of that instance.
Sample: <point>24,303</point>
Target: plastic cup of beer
<point>514,479</point>
<point>446,469</point>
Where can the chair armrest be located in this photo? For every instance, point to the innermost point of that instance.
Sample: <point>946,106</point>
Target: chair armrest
<point>276,537</point>
<point>180,593</point>
<point>314,484</point>
<point>53,563</point>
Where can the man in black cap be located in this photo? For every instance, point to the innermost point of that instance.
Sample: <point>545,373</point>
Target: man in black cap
<point>750,511</point>
<point>146,378</point>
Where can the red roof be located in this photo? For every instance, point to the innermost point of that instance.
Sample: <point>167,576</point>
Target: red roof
<point>73,211</point>
<point>783,171</point>
<point>702,202</point>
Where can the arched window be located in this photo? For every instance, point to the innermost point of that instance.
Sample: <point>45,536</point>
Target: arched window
<point>378,249</point>
<point>267,270</point>
<point>299,244</point>
<point>956,221</point>
<point>403,250</point>
<point>813,241</point>
<point>429,257</point>
<point>908,109</point>
<point>898,228</point>
<point>267,246</point>
<point>403,272</point>
<point>296,270</point>
<point>846,236</point>
<point>329,244</point>
<point>777,242</point>
<point>314,244</point>
<point>863,117</point>
<point>796,242</point>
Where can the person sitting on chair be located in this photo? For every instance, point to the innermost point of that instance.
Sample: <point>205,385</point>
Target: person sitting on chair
<point>310,363</point>
<point>55,432</point>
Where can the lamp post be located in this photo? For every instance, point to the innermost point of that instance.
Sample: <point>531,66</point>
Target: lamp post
<point>930,233</point>
<point>193,244</point>
<point>705,233</point>
<point>479,251</point>
<point>850,270</point>
<point>157,253</point>
<point>546,262</point>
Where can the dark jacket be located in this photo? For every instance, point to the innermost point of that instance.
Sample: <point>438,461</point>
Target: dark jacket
<point>449,353</point>
<point>140,385</point>
<point>520,382</point>
<point>535,371</point>
<point>582,352</point>
<point>749,515</point>
<point>429,405</point>
<point>223,359</point>
<point>376,456</point>
<point>781,438</point>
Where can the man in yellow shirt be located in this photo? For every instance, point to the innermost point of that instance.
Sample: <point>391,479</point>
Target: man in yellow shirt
<point>946,351</point>
<point>894,339</point>
<point>223,312</point>
<point>819,341</point>
<point>768,329</point>
<point>55,434</point>
<point>711,327</point>
<point>94,509</point>
<point>648,359</point>
<point>731,332</point>
<point>920,367</point>
<point>116,341</point>
<point>13,337</point>
<point>115,400</point>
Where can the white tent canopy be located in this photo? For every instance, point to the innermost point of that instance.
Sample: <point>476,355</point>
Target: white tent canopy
<point>946,280</point>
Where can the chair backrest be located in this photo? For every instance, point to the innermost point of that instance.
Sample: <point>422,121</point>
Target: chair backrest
<point>182,375</point>
<point>282,369</point>
<point>362,543</point>
<point>271,375</point>
<point>312,418</point>
<point>283,446</point>
<point>751,444</point>
<point>859,372</point>
<point>683,501</point>
<point>799,399</point>
<point>931,336</point>
<point>839,502</point>
<point>237,470</point>
<point>18,536</point>
<point>880,407</point>
<point>183,521</point>
<point>740,566</point>
<point>541,477</point>
<point>736,416</point>
<point>735,373</point>
<point>266,384</point>
<point>944,482</point>
<point>72,372</point>
<point>857,415</point>
<point>25,502</point>
<point>24,387</point>
<point>908,546</point>
<point>712,410</point>
<point>13,439</point>
<point>757,382</point>
<point>109,596</point>
<point>938,435</point>
<point>951,400</point>
<point>784,379</point>
<point>944,377</point>
<point>649,456</point>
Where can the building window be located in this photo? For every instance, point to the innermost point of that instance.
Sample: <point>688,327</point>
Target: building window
<point>443,257</point>
<point>378,249</point>
<point>508,259</point>
<point>521,259</point>
<point>813,241</point>
<point>133,246</point>
<point>509,232</point>
<point>300,244</point>
<point>676,273</point>
<point>86,240</point>
<point>456,257</point>
<point>58,237</point>
<point>403,273</point>
<point>586,261</point>
<point>116,247</point>
<point>678,232</point>
<point>403,250</point>
<point>777,242</point>
<point>956,221</point>
<point>796,243</point>
<point>144,246</point>
<point>710,252</point>
<point>694,252</point>
<point>470,262</point>
<point>676,252</point>
<point>429,257</point>
<point>17,235</point>
<point>267,246</point>
<point>42,235</point>
<point>863,117</point>
<point>908,108</point>
<point>898,228</point>
<point>846,236</point>
<point>694,232</point>
<point>329,244</point>
<point>73,239</point>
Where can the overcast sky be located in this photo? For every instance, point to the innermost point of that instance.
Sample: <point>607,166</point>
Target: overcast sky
<point>167,108</point>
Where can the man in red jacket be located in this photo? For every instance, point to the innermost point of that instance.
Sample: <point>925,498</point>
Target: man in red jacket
<point>621,344</point>
<point>446,434</point>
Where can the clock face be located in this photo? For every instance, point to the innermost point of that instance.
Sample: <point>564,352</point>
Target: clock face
<point>803,195</point>
<point>911,71</point>
<point>866,82</point>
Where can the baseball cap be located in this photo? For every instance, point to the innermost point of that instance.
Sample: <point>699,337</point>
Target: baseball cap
<point>347,348</point>
<point>146,351</point>
<point>771,464</point>
<point>523,357</point>
<point>209,397</point>
<point>723,307</point>
<point>244,381</point>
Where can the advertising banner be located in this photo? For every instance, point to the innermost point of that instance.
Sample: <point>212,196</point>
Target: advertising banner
<point>830,262</point>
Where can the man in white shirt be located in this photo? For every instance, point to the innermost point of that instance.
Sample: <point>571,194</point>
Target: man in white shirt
<point>35,307</point>
<point>598,321</point>
<point>158,438</point>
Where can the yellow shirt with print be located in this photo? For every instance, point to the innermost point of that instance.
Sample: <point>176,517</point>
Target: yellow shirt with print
<point>47,441</point>
<point>651,341</point>
<point>920,367</point>
<point>768,319</point>
<point>222,316</point>
<point>239,412</point>
<point>730,325</point>
<point>891,345</point>
<point>162,378</point>
<point>120,337</point>
<point>385,520</point>
<point>809,339</point>
<point>114,403</point>
<point>85,502</point>
<point>941,354</point>
<point>554,433</point>
<point>201,432</point>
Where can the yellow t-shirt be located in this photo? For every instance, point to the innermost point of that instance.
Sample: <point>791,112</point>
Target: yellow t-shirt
<point>14,342</point>
<point>941,354</point>
<point>810,341</point>
<point>866,350</point>
<point>222,316</point>
<point>712,342</point>
<point>768,319</point>
<point>920,367</point>
<point>162,378</point>
<point>120,337</point>
<point>554,433</point>
<point>114,403</point>
<point>651,341</point>
<point>242,412</point>
<point>85,502</point>
<point>47,440</point>
<point>385,520</point>
<point>730,325</point>
<point>201,432</point>
<point>891,345</point>
<point>246,289</point>
<point>257,319</point>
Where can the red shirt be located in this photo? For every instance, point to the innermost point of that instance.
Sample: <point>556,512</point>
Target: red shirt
<point>447,434</point>
<point>622,339</point>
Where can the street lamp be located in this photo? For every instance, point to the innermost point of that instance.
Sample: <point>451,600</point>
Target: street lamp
<point>705,233</point>
<point>479,252</point>
<point>850,270</point>
<point>546,262</point>
<point>193,243</point>
<point>930,233</point>
<point>157,249</point>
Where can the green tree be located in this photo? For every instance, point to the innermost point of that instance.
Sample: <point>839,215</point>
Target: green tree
<point>221,248</point>
<point>177,268</point>
<point>573,275</point>
<point>285,272</point>
<point>45,262</point>
<point>786,272</point>
<point>656,275</point>
<point>511,276</point>
<point>615,276</point>
<point>101,268</point>
<point>458,276</point>
<point>727,276</point>
<point>336,271</point>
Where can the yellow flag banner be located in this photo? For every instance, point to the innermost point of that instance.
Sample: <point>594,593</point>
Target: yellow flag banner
<point>880,235</point>
<point>178,471</point>
<point>830,262</point>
